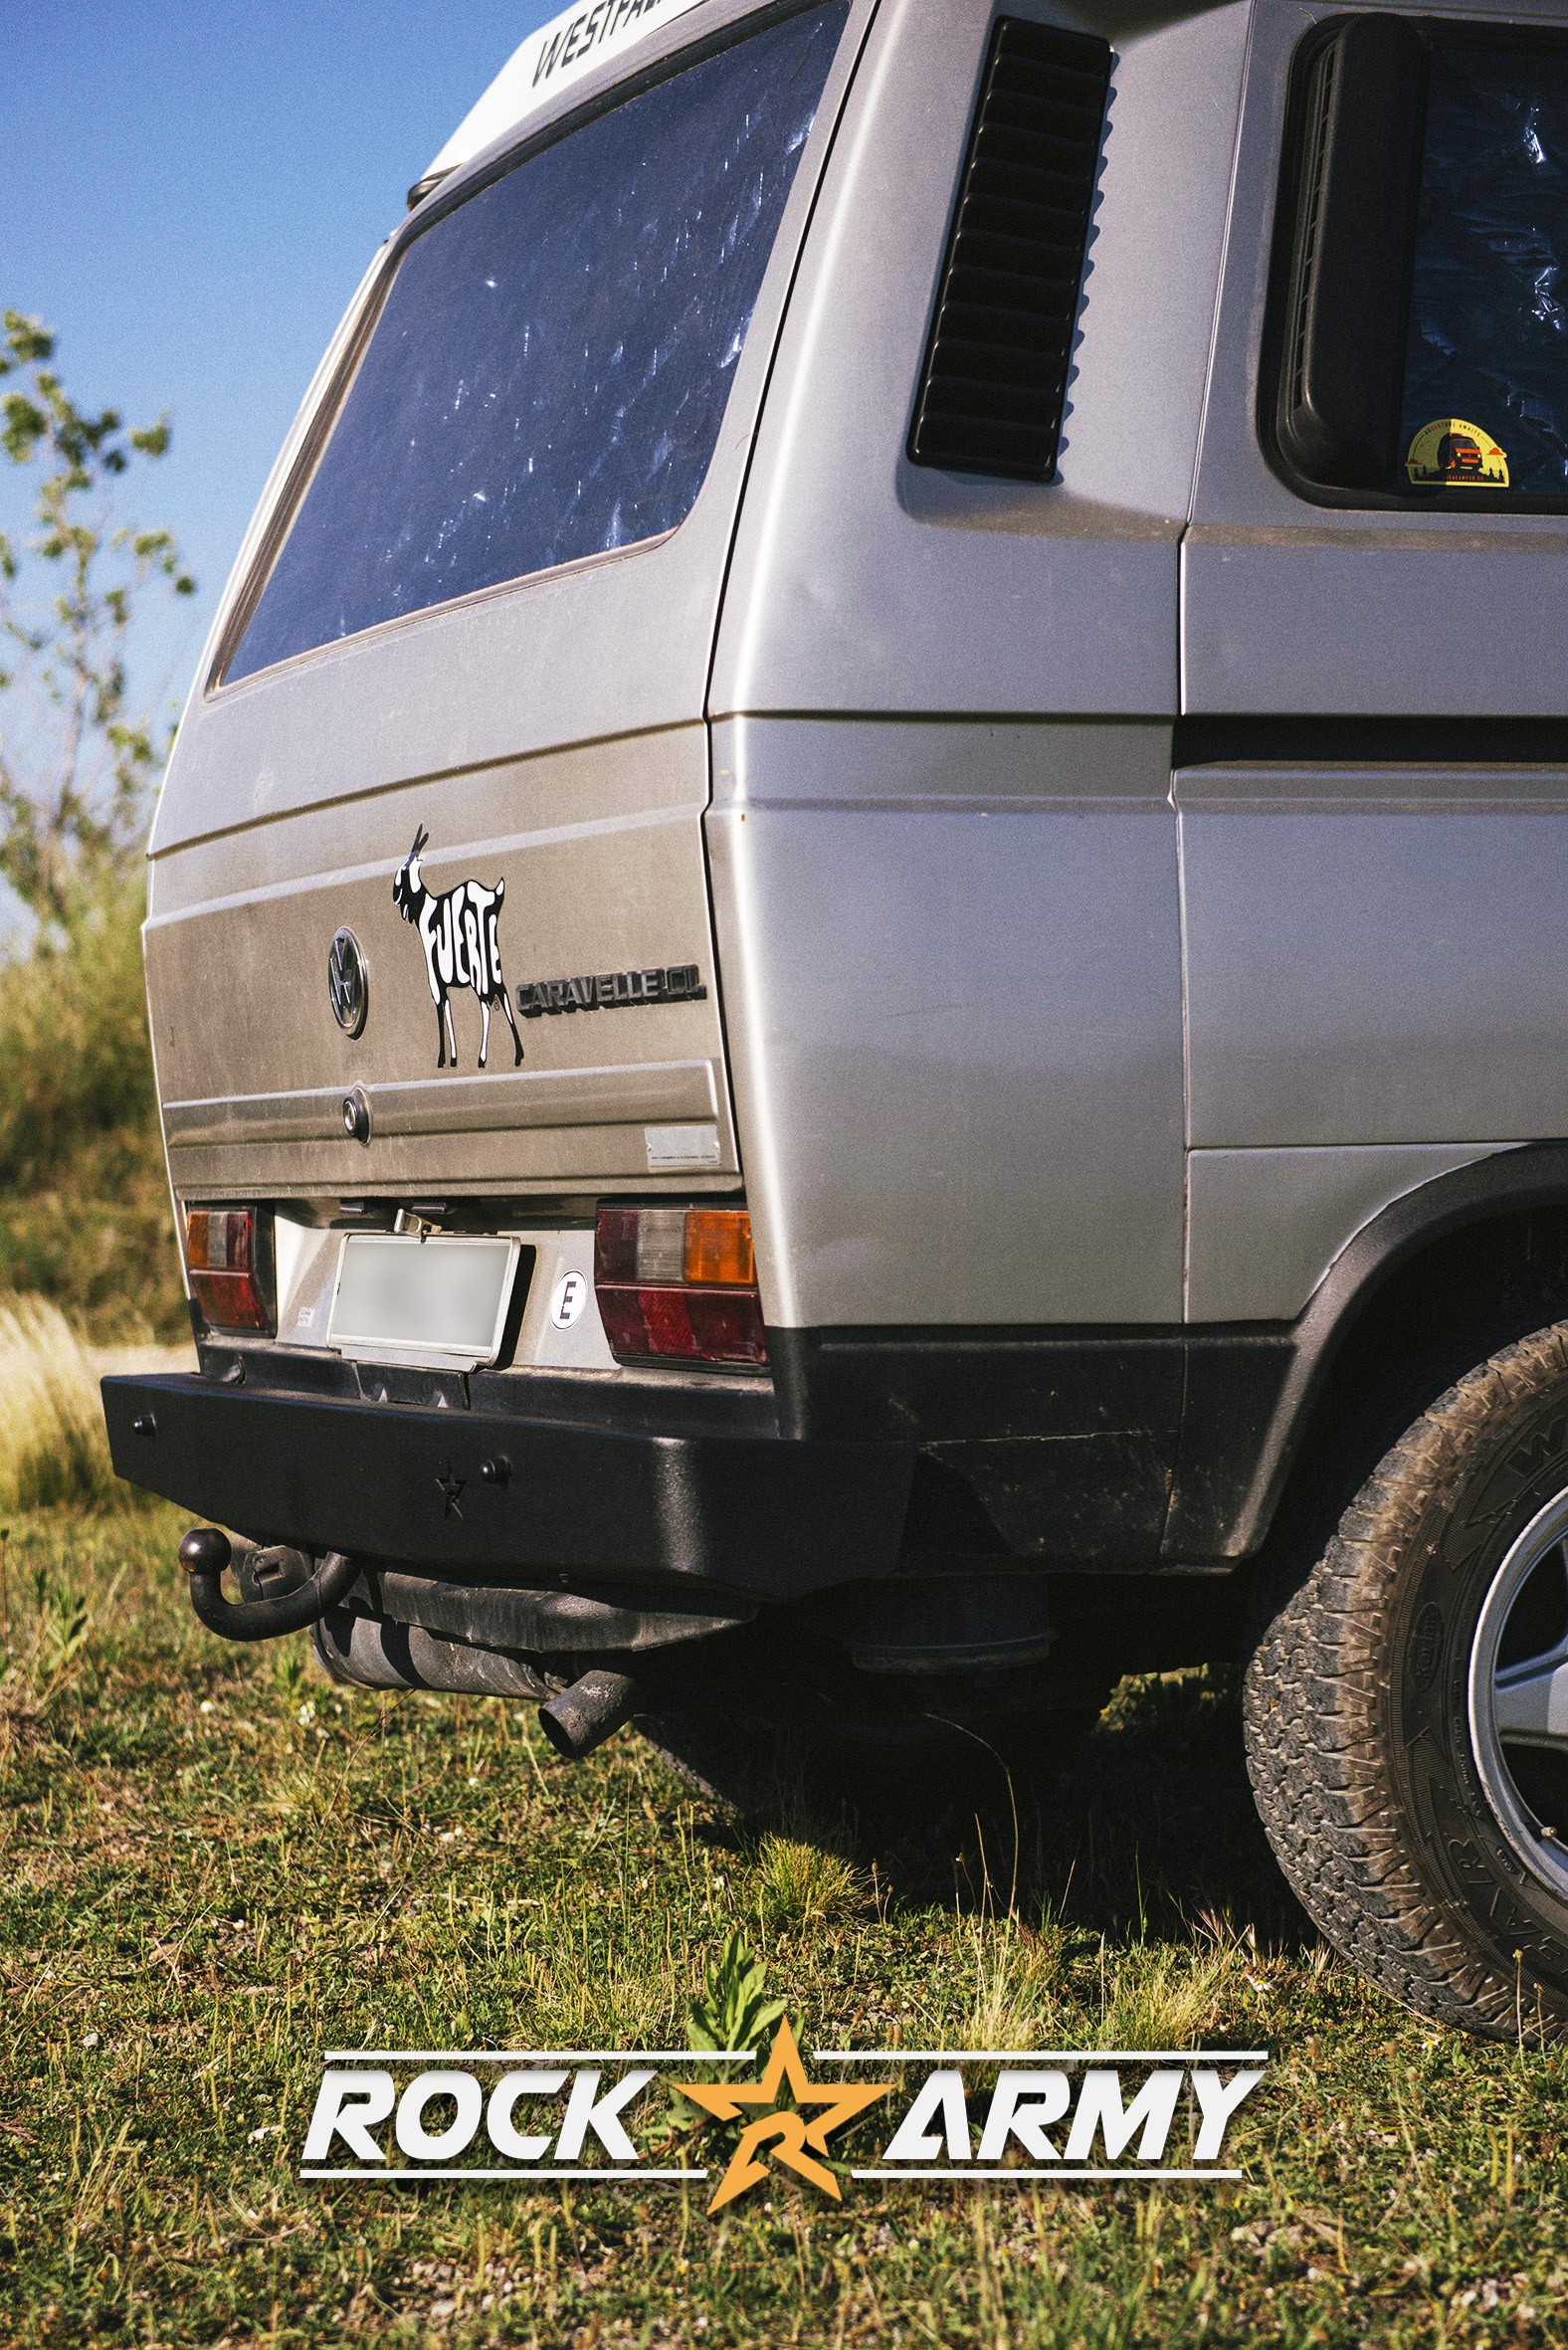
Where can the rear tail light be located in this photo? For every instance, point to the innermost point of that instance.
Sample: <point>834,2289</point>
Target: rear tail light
<point>680,1284</point>
<point>223,1258</point>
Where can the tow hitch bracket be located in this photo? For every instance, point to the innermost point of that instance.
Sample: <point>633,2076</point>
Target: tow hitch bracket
<point>206,1551</point>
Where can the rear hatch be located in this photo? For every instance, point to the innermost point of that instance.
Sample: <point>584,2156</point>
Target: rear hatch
<point>442,782</point>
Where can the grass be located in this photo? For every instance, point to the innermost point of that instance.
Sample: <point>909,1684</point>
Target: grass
<point>85,1214</point>
<point>53,1445</point>
<point>215,1866</point>
<point>52,1448</point>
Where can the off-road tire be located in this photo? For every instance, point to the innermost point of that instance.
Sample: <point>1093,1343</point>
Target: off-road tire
<point>1356,1712</point>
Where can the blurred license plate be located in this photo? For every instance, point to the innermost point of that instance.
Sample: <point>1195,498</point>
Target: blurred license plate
<point>444,1295</point>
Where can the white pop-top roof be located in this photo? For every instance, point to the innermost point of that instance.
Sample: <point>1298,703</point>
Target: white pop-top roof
<point>549,61</point>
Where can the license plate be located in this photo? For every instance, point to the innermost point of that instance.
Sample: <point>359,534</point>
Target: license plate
<point>443,1298</point>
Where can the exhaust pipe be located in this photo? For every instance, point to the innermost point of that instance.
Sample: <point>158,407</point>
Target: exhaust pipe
<point>379,1655</point>
<point>580,1718</point>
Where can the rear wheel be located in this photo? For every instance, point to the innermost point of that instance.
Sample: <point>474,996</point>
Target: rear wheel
<point>1407,1710</point>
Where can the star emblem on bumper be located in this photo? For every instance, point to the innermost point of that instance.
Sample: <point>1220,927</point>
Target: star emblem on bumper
<point>452,1488</point>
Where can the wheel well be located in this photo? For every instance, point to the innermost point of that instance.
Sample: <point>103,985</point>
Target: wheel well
<point>1444,1309</point>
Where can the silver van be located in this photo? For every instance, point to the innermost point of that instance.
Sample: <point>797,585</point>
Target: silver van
<point>859,941</point>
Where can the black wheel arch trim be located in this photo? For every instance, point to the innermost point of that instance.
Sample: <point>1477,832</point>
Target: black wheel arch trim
<point>1506,1183</point>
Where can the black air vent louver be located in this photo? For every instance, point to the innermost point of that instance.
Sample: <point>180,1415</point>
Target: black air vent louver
<point>996,367</point>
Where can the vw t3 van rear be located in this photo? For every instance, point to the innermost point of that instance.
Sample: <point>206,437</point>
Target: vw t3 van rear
<point>857,941</point>
<point>432,957</point>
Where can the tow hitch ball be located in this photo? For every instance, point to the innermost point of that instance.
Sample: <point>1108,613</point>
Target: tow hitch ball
<point>205,1552</point>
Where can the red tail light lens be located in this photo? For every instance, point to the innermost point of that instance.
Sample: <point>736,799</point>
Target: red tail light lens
<point>679,1284</point>
<point>223,1257</point>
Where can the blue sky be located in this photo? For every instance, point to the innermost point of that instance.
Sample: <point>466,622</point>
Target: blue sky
<point>192,194</point>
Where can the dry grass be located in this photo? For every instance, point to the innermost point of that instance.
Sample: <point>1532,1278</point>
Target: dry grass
<point>52,1448</point>
<point>83,1204</point>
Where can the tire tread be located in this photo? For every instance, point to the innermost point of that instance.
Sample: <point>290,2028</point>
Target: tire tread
<point>1311,1707</point>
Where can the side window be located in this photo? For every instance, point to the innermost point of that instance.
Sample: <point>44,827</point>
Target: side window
<point>1418,330</point>
<point>1489,311</point>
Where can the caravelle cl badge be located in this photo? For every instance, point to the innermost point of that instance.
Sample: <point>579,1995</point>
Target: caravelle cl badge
<point>348,983</point>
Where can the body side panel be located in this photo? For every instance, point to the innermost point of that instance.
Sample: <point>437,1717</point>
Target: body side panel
<point>1291,606</point>
<point>1373,935</point>
<point>949,943</point>
<point>1265,1225</point>
<point>1375,957</point>
<point>953,991</point>
<point>863,583</point>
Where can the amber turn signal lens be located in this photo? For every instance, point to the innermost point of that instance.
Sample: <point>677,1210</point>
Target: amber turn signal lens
<point>718,1248</point>
<point>223,1260</point>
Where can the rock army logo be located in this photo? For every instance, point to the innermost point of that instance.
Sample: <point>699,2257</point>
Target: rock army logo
<point>1012,2117</point>
<point>458,930</point>
<point>348,983</point>
<point>1449,453</point>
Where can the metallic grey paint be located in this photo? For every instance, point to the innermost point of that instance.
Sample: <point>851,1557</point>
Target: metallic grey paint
<point>1292,606</point>
<point>1373,968</point>
<point>1265,1225</point>
<point>977,987</point>
<point>864,584</point>
<point>954,982</point>
<point>549,733</point>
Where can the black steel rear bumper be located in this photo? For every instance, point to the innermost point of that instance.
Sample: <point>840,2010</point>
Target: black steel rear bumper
<point>468,1490</point>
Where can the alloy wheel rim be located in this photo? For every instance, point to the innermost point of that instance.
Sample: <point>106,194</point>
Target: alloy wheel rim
<point>1518,1702</point>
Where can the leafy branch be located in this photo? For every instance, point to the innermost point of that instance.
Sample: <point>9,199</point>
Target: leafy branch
<point>77,773</point>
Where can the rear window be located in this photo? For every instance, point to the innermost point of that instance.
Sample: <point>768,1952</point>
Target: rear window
<point>550,366</point>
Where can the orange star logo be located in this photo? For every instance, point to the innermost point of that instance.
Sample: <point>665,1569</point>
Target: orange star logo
<point>784,2129</point>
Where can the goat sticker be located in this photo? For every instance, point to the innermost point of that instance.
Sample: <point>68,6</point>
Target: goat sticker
<point>459,930</point>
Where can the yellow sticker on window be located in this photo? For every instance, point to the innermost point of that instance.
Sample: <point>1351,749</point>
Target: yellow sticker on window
<point>1449,453</point>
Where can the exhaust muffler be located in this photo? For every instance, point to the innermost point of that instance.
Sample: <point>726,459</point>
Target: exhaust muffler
<point>377,1655</point>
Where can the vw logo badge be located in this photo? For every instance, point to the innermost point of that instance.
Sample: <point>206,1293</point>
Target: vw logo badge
<point>348,983</point>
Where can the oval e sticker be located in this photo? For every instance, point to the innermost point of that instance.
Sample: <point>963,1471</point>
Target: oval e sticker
<point>571,1296</point>
<point>1449,453</point>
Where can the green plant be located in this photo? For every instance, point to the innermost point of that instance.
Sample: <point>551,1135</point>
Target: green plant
<point>84,1207</point>
<point>64,1620</point>
<point>801,1885</point>
<point>84,1202</point>
<point>734,2011</point>
<point>75,1066</point>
